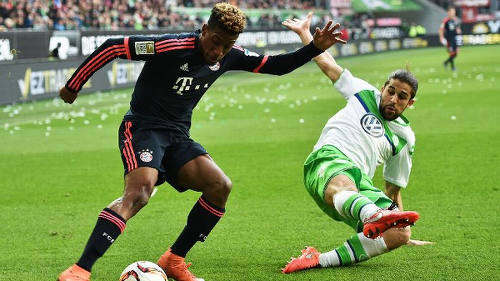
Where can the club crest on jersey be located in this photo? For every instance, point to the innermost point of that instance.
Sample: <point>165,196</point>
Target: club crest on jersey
<point>145,48</point>
<point>146,155</point>
<point>214,67</point>
<point>372,125</point>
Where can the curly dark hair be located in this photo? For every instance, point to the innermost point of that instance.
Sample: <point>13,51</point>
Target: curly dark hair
<point>228,18</point>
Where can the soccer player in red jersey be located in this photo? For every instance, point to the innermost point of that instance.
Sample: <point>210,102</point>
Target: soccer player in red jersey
<point>154,138</point>
<point>448,31</point>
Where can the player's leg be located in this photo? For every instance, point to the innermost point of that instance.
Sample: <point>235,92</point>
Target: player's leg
<point>333,180</point>
<point>202,174</point>
<point>111,222</point>
<point>356,249</point>
<point>342,194</point>
<point>199,173</point>
<point>389,215</point>
<point>447,61</point>
<point>356,208</point>
<point>327,167</point>
<point>359,248</point>
<point>451,49</point>
<point>453,55</point>
<point>139,185</point>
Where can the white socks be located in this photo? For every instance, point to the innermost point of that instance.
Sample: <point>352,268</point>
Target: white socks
<point>356,249</point>
<point>351,204</point>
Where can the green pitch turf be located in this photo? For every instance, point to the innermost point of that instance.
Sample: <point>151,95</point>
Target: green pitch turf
<point>60,165</point>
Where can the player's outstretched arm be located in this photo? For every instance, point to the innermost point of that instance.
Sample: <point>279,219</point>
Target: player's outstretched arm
<point>286,63</point>
<point>108,51</point>
<point>394,192</point>
<point>441,34</point>
<point>325,61</point>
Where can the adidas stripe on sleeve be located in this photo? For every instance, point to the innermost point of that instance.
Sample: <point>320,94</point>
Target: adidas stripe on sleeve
<point>130,47</point>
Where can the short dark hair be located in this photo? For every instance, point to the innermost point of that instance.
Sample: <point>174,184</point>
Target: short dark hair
<point>228,18</point>
<point>406,77</point>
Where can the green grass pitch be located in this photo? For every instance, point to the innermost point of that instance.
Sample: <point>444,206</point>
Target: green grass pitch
<point>60,165</point>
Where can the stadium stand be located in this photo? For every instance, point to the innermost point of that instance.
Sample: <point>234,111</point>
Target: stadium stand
<point>163,14</point>
<point>123,14</point>
<point>45,39</point>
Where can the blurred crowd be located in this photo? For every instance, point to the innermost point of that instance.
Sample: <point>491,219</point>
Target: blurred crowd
<point>167,15</point>
<point>134,14</point>
<point>253,4</point>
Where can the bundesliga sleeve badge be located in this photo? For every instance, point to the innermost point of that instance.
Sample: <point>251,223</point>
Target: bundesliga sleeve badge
<point>145,48</point>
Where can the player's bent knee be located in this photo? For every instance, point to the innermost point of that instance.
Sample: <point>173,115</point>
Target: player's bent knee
<point>218,191</point>
<point>224,186</point>
<point>335,186</point>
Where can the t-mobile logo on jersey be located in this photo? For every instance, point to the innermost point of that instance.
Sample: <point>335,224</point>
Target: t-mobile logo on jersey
<point>182,83</point>
<point>185,84</point>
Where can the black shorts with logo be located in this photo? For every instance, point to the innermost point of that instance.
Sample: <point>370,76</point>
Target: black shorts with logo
<point>145,143</point>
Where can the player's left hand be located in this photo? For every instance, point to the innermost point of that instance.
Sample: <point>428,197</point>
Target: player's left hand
<point>67,95</point>
<point>326,37</point>
<point>412,242</point>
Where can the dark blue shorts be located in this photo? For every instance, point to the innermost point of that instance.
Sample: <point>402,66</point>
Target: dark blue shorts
<point>148,144</point>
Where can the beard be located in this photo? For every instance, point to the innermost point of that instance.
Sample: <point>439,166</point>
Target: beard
<point>388,112</point>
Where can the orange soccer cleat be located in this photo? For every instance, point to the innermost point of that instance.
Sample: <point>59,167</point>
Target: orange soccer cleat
<point>382,220</point>
<point>308,259</point>
<point>74,273</point>
<point>175,267</point>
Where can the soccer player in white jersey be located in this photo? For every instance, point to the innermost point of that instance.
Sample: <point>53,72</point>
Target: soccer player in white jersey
<point>367,132</point>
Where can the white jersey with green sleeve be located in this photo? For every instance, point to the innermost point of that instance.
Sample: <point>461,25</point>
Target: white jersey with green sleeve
<point>363,135</point>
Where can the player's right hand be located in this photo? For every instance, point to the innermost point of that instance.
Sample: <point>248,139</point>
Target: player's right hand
<point>443,41</point>
<point>326,37</point>
<point>412,242</point>
<point>67,95</point>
